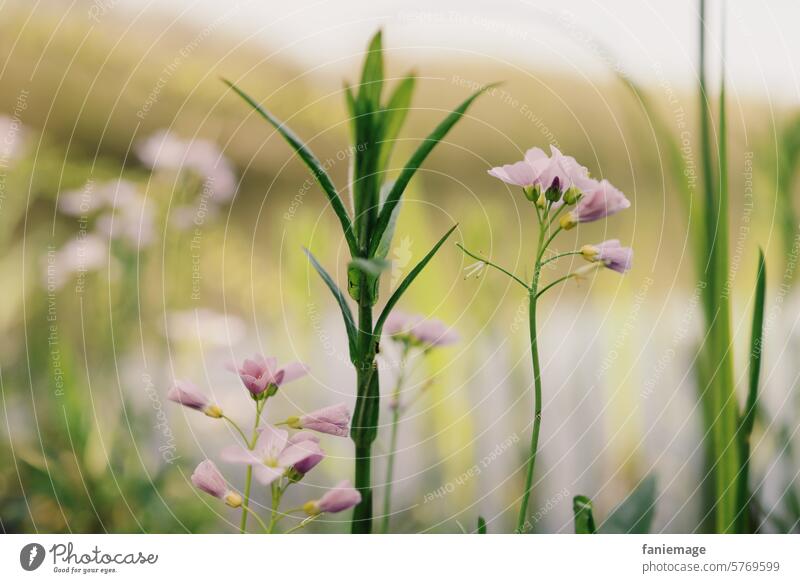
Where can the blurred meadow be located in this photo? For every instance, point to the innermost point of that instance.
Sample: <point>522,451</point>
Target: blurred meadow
<point>119,274</point>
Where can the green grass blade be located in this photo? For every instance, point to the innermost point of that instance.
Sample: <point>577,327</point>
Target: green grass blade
<point>347,315</point>
<point>372,74</point>
<point>749,413</point>
<point>413,165</point>
<point>584,515</point>
<point>393,117</point>
<point>310,160</point>
<point>725,405</point>
<point>407,281</point>
<point>635,514</point>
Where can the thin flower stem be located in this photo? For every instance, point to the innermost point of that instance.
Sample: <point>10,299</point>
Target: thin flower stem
<point>537,377</point>
<point>487,262</point>
<point>257,518</point>
<point>277,493</point>
<point>248,478</point>
<point>555,215</point>
<point>554,283</point>
<point>559,256</point>
<point>387,497</point>
<point>542,248</point>
<point>237,428</point>
<point>303,524</point>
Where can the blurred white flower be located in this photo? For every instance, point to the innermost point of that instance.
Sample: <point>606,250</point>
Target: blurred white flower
<point>127,216</point>
<point>165,151</point>
<point>162,151</point>
<point>78,255</point>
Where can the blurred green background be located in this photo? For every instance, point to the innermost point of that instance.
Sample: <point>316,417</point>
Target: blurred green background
<point>89,443</point>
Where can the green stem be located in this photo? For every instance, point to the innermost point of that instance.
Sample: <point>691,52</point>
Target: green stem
<point>559,256</point>
<point>248,479</point>
<point>303,524</point>
<point>543,247</point>
<point>365,417</point>
<point>537,381</point>
<point>276,500</point>
<point>257,518</point>
<point>387,498</point>
<point>554,283</point>
<point>487,262</point>
<point>239,429</point>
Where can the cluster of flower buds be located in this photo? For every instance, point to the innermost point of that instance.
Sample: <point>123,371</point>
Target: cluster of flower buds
<point>274,454</point>
<point>557,180</point>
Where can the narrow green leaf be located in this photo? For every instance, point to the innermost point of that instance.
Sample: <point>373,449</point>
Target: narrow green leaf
<point>482,525</point>
<point>310,160</point>
<point>347,315</point>
<point>584,516</point>
<point>387,309</point>
<point>726,409</point>
<point>372,74</point>
<point>749,414</point>
<point>756,346</point>
<point>414,163</point>
<point>352,109</point>
<point>393,117</point>
<point>388,234</point>
<point>634,515</point>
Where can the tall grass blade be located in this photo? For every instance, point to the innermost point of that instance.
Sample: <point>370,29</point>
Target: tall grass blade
<point>749,413</point>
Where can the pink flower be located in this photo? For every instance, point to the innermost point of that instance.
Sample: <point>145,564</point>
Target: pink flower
<point>259,373</point>
<point>399,323</point>
<point>306,465</point>
<point>206,477</point>
<point>273,454</point>
<point>342,497</point>
<point>599,199</point>
<point>418,330</point>
<point>433,332</point>
<point>540,170</point>
<point>610,253</point>
<point>187,394</point>
<point>333,420</point>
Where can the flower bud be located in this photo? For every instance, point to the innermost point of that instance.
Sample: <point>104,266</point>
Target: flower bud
<point>532,192</point>
<point>553,194</point>
<point>572,195</point>
<point>311,508</point>
<point>590,252</point>
<point>541,202</point>
<point>568,221</point>
<point>213,411</point>
<point>233,499</point>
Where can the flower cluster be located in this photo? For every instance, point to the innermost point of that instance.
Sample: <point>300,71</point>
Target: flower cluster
<point>557,183</point>
<point>273,455</point>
